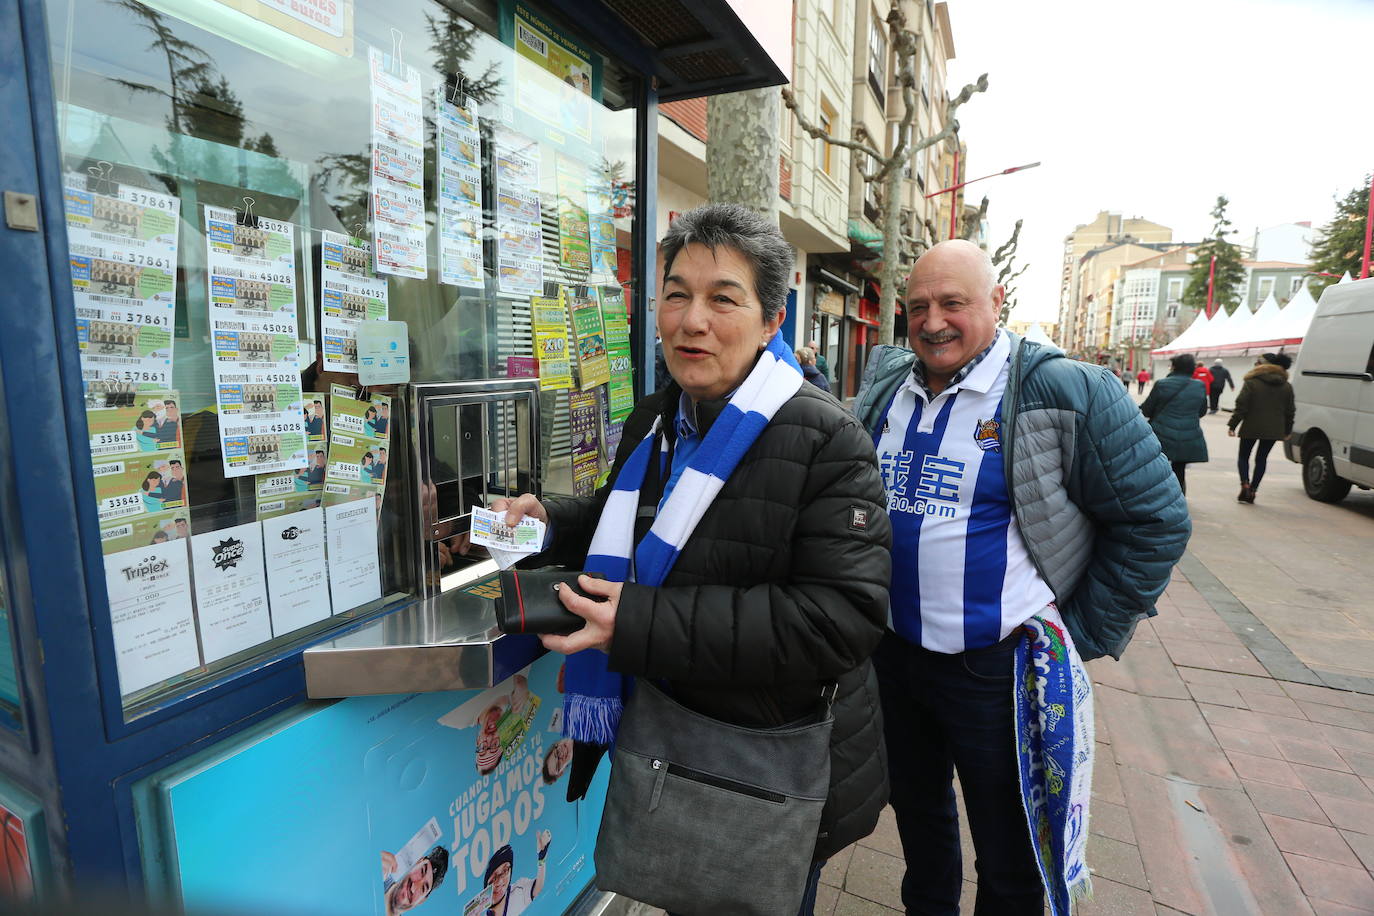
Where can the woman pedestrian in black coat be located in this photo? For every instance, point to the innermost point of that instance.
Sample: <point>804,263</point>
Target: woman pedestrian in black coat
<point>781,587</point>
<point>1174,408</point>
<point>1263,415</point>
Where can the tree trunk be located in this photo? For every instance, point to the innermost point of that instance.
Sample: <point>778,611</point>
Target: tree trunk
<point>742,149</point>
<point>890,277</point>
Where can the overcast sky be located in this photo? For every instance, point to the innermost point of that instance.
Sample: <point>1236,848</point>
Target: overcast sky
<point>1153,109</point>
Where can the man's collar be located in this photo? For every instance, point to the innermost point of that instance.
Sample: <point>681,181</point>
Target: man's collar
<point>968,375</point>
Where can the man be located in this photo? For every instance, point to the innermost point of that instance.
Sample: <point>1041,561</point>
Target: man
<point>822,364</point>
<point>511,898</point>
<point>314,420</point>
<point>1017,480</point>
<point>174,487</point>
<point>383,422</point>
<point>1221,377</point>
<point>378,471</point>
<point>169,427</point>
<point>1141,378</point>
<point>414,888</point>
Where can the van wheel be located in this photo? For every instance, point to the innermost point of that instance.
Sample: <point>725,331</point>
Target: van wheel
<point>1319,476</point>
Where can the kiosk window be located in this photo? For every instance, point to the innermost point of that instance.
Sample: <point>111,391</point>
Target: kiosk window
<point>248,190</point>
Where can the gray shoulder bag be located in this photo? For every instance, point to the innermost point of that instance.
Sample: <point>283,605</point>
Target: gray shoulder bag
<point>704,817</point>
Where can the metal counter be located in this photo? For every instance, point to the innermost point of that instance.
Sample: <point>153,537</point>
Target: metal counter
<point>445,642</point>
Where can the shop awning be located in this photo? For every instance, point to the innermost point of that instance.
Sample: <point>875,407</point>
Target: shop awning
<point>706,47</point>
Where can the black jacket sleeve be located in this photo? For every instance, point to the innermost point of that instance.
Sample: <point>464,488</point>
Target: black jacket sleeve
<point>822,619</point>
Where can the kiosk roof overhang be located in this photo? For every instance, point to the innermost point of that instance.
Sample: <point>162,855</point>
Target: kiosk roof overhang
<point>707,47</point>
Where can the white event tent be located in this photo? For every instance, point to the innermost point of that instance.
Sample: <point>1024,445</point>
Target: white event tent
<point>1237,339</point>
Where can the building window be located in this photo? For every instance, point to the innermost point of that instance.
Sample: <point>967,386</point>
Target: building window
<point>877,56</point>
<point>827,125</point>
<point>1172,310</point>
<point>925,81</point>
<point>1295,285</point>
<point>1175,291</point>
<point>1265,287</point>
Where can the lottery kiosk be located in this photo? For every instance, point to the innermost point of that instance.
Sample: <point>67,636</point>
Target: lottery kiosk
<point>292,287</point>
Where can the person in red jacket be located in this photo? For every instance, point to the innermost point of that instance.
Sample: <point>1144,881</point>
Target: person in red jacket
<point>1141,378</point>
<point>1204,375</point>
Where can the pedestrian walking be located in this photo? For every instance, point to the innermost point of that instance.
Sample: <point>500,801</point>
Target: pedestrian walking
<point>750,508</point>
<point>1141,378</point>
<point>1174,408</point>
<point>1202,374</point>
<point>806,358</point>
<point>1263,415</point>
<point>1034,522</point>
<point>1221,377</point>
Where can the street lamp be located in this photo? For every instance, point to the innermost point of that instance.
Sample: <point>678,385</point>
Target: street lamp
<point>953,222</point>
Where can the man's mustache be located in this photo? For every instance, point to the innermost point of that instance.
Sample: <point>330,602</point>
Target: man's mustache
<point>939,338</point>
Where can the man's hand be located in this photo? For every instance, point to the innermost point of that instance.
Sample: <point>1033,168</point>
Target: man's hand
<point>600,616</point>
<point>516,509</point>
<point>543,840</point>
<point>1231,431</point>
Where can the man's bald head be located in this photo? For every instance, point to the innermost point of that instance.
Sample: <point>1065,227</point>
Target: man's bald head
<point>953,303</point>
<point>958,254</point>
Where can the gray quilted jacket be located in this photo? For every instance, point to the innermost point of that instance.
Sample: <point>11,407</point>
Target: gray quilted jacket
<point>1101,512</point>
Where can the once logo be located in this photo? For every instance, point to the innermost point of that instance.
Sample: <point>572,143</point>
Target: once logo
<point>227,553</point>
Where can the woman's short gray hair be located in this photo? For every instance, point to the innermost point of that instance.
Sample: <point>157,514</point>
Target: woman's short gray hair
<point>732,226</point>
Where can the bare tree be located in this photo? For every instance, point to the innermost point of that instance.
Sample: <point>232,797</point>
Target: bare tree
<point>886,171</point>
<point>1002,258</point>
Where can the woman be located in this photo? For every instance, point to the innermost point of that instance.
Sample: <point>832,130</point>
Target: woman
<point>1263,415</point>
<point>145,431</point>
<point>1174,407</point>
<point>780,588</point>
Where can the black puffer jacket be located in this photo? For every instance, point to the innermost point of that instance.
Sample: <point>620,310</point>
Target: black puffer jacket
<point>781,588</point>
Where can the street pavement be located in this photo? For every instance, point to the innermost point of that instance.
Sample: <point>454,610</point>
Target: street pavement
<point>1233,774</point>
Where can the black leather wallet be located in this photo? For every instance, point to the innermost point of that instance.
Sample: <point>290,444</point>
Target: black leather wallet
<point>529,601</point>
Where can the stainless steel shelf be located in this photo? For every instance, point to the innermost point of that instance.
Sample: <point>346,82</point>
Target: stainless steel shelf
<point>446,642</point>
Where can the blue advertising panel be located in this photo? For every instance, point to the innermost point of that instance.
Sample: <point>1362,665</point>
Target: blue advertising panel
<point>444,803</point>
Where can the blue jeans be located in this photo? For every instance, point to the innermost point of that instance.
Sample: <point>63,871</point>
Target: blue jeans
<point>942,713</point>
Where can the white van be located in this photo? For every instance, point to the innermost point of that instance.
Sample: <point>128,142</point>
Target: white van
<point>1333,383</point>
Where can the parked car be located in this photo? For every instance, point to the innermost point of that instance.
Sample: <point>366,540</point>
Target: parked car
<point>1333,383</point>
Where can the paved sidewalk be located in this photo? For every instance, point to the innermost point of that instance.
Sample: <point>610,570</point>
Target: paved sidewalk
<point>1217,789</point>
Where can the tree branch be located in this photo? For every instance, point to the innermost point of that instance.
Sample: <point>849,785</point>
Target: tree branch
<point>812,130</point>
<point>1009,247</point>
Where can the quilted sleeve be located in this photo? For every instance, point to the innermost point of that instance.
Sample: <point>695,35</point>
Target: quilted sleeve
<point>825,618</point>
<point>1124,484</point>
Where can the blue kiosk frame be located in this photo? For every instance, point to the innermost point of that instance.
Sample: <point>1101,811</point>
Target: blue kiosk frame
<point>71,749</point>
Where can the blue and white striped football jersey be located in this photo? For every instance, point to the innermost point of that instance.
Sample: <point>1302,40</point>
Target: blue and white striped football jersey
<point>961,576</point>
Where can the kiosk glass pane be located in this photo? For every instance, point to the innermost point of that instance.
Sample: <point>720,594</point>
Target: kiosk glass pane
<point>260,201</point>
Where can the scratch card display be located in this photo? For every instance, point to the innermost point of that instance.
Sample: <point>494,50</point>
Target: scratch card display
<point>459,167</point>
<point>251,266</point>
<point>398,157</point>
<point>519,240</point>
<point>350,293</point>
<point>123,247</point>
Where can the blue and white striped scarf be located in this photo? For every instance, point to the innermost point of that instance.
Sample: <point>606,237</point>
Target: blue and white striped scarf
<point>595,695</point>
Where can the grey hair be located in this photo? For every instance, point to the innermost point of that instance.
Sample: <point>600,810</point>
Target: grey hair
<point>756,239</point>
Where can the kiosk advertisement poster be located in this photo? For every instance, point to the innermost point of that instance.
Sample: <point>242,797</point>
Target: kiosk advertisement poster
<point>564,101</point>
<point>251,270</point>
<point>123,247</point>
<point>350,293</point>
<point>139,468</point>
<point>358,435</point>
<point>437,802</point>
<point>583,418</point>
<point>574,243</point>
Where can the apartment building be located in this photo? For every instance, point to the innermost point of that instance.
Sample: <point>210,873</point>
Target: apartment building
<point>844,75</point>
<point>1106,228</point>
